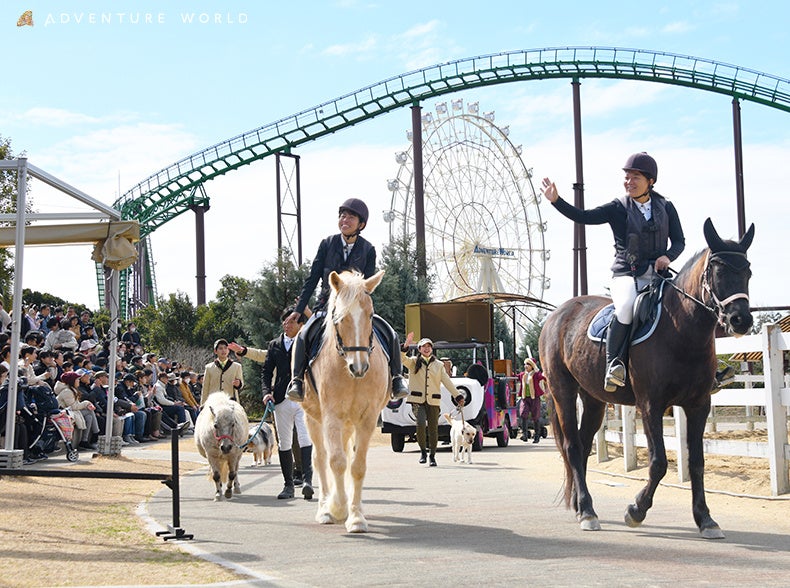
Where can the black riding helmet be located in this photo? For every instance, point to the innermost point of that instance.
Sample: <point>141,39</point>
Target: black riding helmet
<point>644,164</point>
<point>357,207</point>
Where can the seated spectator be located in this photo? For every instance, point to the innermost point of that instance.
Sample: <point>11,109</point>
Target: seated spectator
<point>192,405</point>
<point>171,407</point>
<point>59,337</point>
<point>38,390</point>
<point>196,385</point>
<point>174,391</point>
<point>43,317</point>
<point>34,339</point>
<point>82,411</point>
<point>153,423</point>
<point>23,423</point>
<point>89,333</point>
<point>126,405</point>
<point>46,368</point>
<point>98,396</point>
<point>131,337</point>
<point>75,327</point>
<point>5,318</point>
<point>31,317</point>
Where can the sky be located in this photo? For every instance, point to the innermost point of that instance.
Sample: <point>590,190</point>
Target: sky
<point>104,94</point>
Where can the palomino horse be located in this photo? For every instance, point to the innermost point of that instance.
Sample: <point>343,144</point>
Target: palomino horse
<point>347,389</point>
<point>220,431</point>
<point>675,366</point>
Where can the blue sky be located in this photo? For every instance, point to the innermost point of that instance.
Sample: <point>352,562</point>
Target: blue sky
<point>100,98</point>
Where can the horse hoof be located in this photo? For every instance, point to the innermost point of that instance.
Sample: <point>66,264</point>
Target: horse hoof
<point>630,517</point>
<point>590,524</point>
<point>228,493</point>
<point>357,527</point>
<point>217,497</point>
<point>712,533</point>
<point>325,519</point>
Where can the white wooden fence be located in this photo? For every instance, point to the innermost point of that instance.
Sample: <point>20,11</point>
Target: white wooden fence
<point>773,396</point>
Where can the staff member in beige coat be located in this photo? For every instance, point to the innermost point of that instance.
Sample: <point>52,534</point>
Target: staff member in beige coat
<point>426,375</point>
<point>222,374</point>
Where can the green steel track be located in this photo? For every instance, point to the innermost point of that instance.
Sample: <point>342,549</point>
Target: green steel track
<point>171,191</point>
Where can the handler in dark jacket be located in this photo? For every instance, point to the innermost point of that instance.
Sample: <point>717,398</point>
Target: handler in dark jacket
<point>275,375</point>
<point>644,224</point>
<point>347,250</point>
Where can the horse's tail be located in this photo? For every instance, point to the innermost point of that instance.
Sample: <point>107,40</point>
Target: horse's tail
<point>559,439</point>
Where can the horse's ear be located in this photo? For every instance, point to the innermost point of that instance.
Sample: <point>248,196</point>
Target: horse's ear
<point>213,414</point>
<point>373,281</point>
<point>711,236</point>
<point>747,238</point>
<point>334,280</point>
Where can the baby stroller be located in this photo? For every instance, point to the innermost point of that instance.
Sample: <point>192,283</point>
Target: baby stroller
<point>55,428</point>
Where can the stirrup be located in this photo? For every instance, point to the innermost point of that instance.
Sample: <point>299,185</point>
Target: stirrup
<point>724,377</point>
<point>615,376</point>
<point>296,390</point>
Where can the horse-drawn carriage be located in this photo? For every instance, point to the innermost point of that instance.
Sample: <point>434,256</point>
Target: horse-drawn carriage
<point>462,333</point>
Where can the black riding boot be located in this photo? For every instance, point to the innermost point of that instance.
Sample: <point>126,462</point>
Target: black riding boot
<point>399,387</point>
<point>616,340</point>
<point>524,430</point>
<point>307,471</point>
<point>299,358</point>
<point>287,467</point>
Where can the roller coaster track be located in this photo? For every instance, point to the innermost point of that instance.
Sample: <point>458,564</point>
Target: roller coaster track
<point>170,192</point>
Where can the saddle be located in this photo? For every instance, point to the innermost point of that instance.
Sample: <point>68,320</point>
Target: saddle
<point>647,312</point>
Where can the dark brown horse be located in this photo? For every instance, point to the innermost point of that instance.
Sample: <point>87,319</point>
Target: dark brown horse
<point>675,366</point>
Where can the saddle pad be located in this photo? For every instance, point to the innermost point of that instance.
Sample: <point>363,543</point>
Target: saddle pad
<point>598,325</point>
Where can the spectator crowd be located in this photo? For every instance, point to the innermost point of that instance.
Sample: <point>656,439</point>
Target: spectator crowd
<point>63,365</point>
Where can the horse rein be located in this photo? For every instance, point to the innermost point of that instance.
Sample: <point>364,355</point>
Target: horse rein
<point>717,308</point>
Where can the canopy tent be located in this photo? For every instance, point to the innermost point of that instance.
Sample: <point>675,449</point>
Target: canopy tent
<point>113,241</point>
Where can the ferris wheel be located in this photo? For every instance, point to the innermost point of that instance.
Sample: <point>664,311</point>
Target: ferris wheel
<point>483,228</point>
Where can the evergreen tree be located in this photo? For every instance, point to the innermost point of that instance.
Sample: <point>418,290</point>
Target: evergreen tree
<point>400,285</point>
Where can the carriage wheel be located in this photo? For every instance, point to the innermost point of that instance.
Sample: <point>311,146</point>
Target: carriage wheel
<point>503,437</point>
<point>477,444</point>
<point>398,442</point>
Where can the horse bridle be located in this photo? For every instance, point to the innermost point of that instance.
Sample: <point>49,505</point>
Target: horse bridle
<point>342,349</point>
<point>717,306</point>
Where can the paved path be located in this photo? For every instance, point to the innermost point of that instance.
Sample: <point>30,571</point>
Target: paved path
<point>495,522</point>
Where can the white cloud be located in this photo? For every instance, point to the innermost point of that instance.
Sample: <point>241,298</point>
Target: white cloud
<point>56,117</point>
<point>677,27</point>
<point>360,49</point>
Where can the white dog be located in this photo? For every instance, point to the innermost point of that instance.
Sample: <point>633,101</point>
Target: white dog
<point>262,444</point>
<point>462,436</point>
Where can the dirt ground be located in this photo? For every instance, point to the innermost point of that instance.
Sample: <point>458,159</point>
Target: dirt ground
<point>73,532</point>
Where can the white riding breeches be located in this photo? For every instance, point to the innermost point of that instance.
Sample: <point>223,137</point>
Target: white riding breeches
<point>287,414</point>
<point>624,291</point>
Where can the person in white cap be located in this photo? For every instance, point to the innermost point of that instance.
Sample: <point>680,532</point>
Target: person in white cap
<point>426,376</point>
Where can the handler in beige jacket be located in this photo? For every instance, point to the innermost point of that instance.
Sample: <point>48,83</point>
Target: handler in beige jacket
<point>222,374</point>
<point>426,375</point>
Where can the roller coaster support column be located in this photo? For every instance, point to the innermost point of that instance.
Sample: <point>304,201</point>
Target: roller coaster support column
<point>200,251</point>
<point>739,197</point>
<point>289,205</point>
<point>419,191</point>
<point>579,233</point>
